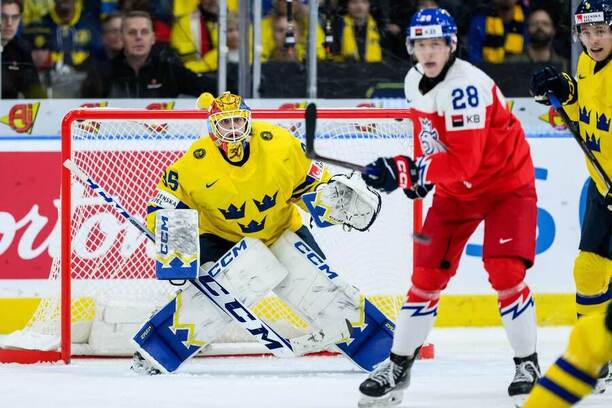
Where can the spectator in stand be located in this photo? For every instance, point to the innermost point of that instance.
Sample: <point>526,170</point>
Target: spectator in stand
<point>209,61</point>
<point>74,36</point>
<point>498,33</point>
<point>34,10</point>
<point>19,76</point>
<point>141,71</point>
<point>356,35</point>
<point>540,32</point>
<point>195,34</point>
<point>41,56</point>
<point>160,11</point>
<point>111,35</point>
<point>280,52</point>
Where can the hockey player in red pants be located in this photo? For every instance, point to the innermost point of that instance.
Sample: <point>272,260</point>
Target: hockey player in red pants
<point>475,153</point>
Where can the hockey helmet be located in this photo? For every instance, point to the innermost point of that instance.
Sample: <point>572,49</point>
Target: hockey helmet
<point>593,12</point>
<point>431,23</point>
<point>229,123</point>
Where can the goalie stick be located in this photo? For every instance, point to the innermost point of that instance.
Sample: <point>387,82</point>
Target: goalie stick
<point>311,127</point>
<point>575,131</point>
<point>222,298</point>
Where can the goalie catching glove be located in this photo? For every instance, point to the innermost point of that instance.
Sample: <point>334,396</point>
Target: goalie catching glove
<point>388,173</point>
<point>345,200</point>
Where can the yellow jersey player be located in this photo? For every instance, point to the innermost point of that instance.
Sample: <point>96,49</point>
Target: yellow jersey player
<point>246,180</point>
<point>243,179</point>
<point>573,375</point>
<point>587,100</point>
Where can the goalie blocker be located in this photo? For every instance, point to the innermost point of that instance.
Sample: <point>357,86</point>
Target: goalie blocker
<point>251,270</point>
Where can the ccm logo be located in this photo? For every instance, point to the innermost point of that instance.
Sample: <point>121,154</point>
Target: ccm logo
<point>402,173</point>
<point>315,259</point>
<point>227,258</point>
<point>164,235</point>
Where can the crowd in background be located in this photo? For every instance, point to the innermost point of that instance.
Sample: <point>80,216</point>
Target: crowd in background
<point>169,48</point>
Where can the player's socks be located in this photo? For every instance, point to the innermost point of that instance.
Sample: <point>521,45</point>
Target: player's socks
<point>516,307</point>
<point>415,320</point>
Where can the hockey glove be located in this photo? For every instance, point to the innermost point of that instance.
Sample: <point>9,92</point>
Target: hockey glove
<point>388,173</point>
<point>418,191</point>
<point>548,80</point>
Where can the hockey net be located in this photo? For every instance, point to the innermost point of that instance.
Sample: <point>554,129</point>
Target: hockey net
<point>105,280</point>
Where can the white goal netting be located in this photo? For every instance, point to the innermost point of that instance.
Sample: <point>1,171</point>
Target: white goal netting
<point>111,268</point>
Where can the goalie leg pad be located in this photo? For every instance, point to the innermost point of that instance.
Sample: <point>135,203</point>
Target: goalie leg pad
<point>314,290</point>
<point>180,329</point>
<point>371,339</point>
<point>190,321</point>
<point>312,287</point>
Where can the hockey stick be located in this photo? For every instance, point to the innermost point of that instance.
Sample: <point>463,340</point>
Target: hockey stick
<point>222,298</point>
<point>575,131</point>
<point>311,128</point>
<point>311,125</point>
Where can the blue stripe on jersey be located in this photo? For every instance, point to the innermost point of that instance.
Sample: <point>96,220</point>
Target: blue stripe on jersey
<point>594,300</point>
<point>572,370</point>
<point>301,189</point>
<point>152,208</point>
<point>558,390</point>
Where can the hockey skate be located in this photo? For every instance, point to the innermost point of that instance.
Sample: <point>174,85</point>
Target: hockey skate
<point>385,386</point>
<point>605,377</point>
<point>526,375</point>
<point>142,366</point>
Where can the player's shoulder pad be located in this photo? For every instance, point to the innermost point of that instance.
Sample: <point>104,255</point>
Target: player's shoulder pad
<point>274,137</point>
<point>585,66</point>
<point>198,151</point>
<point>270,132</point>
<point>464,96</point>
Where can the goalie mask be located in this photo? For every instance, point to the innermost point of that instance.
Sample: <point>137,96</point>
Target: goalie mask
<point>229,123</point>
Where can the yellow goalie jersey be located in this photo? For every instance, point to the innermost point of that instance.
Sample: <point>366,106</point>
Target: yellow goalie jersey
<point>593,111</point>
<point>257,199</point>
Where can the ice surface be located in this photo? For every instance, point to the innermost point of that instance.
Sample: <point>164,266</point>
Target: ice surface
<point>472,369</point>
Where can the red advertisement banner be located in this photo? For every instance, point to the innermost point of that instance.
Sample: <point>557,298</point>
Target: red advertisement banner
<point>29,207</point>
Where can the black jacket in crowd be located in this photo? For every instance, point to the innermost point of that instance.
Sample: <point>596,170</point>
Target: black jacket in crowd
<point>162,76</point>
<point>19,76</point>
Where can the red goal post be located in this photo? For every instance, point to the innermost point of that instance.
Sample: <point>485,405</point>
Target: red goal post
<point>126,150</point>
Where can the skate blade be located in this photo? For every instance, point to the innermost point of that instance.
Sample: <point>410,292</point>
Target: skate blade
<point>392,399</point>
<point>600,386</point>
<point>519,400</point>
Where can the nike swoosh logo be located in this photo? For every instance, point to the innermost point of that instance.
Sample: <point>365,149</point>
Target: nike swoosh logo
<point>504,240</point>
<point>581,77</point>
<point>209,185</point>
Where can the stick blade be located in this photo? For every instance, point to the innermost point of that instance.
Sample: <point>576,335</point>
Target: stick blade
<point>311,126</point>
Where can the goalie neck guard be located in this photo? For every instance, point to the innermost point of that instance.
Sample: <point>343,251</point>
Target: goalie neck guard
<point>229,123</point>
